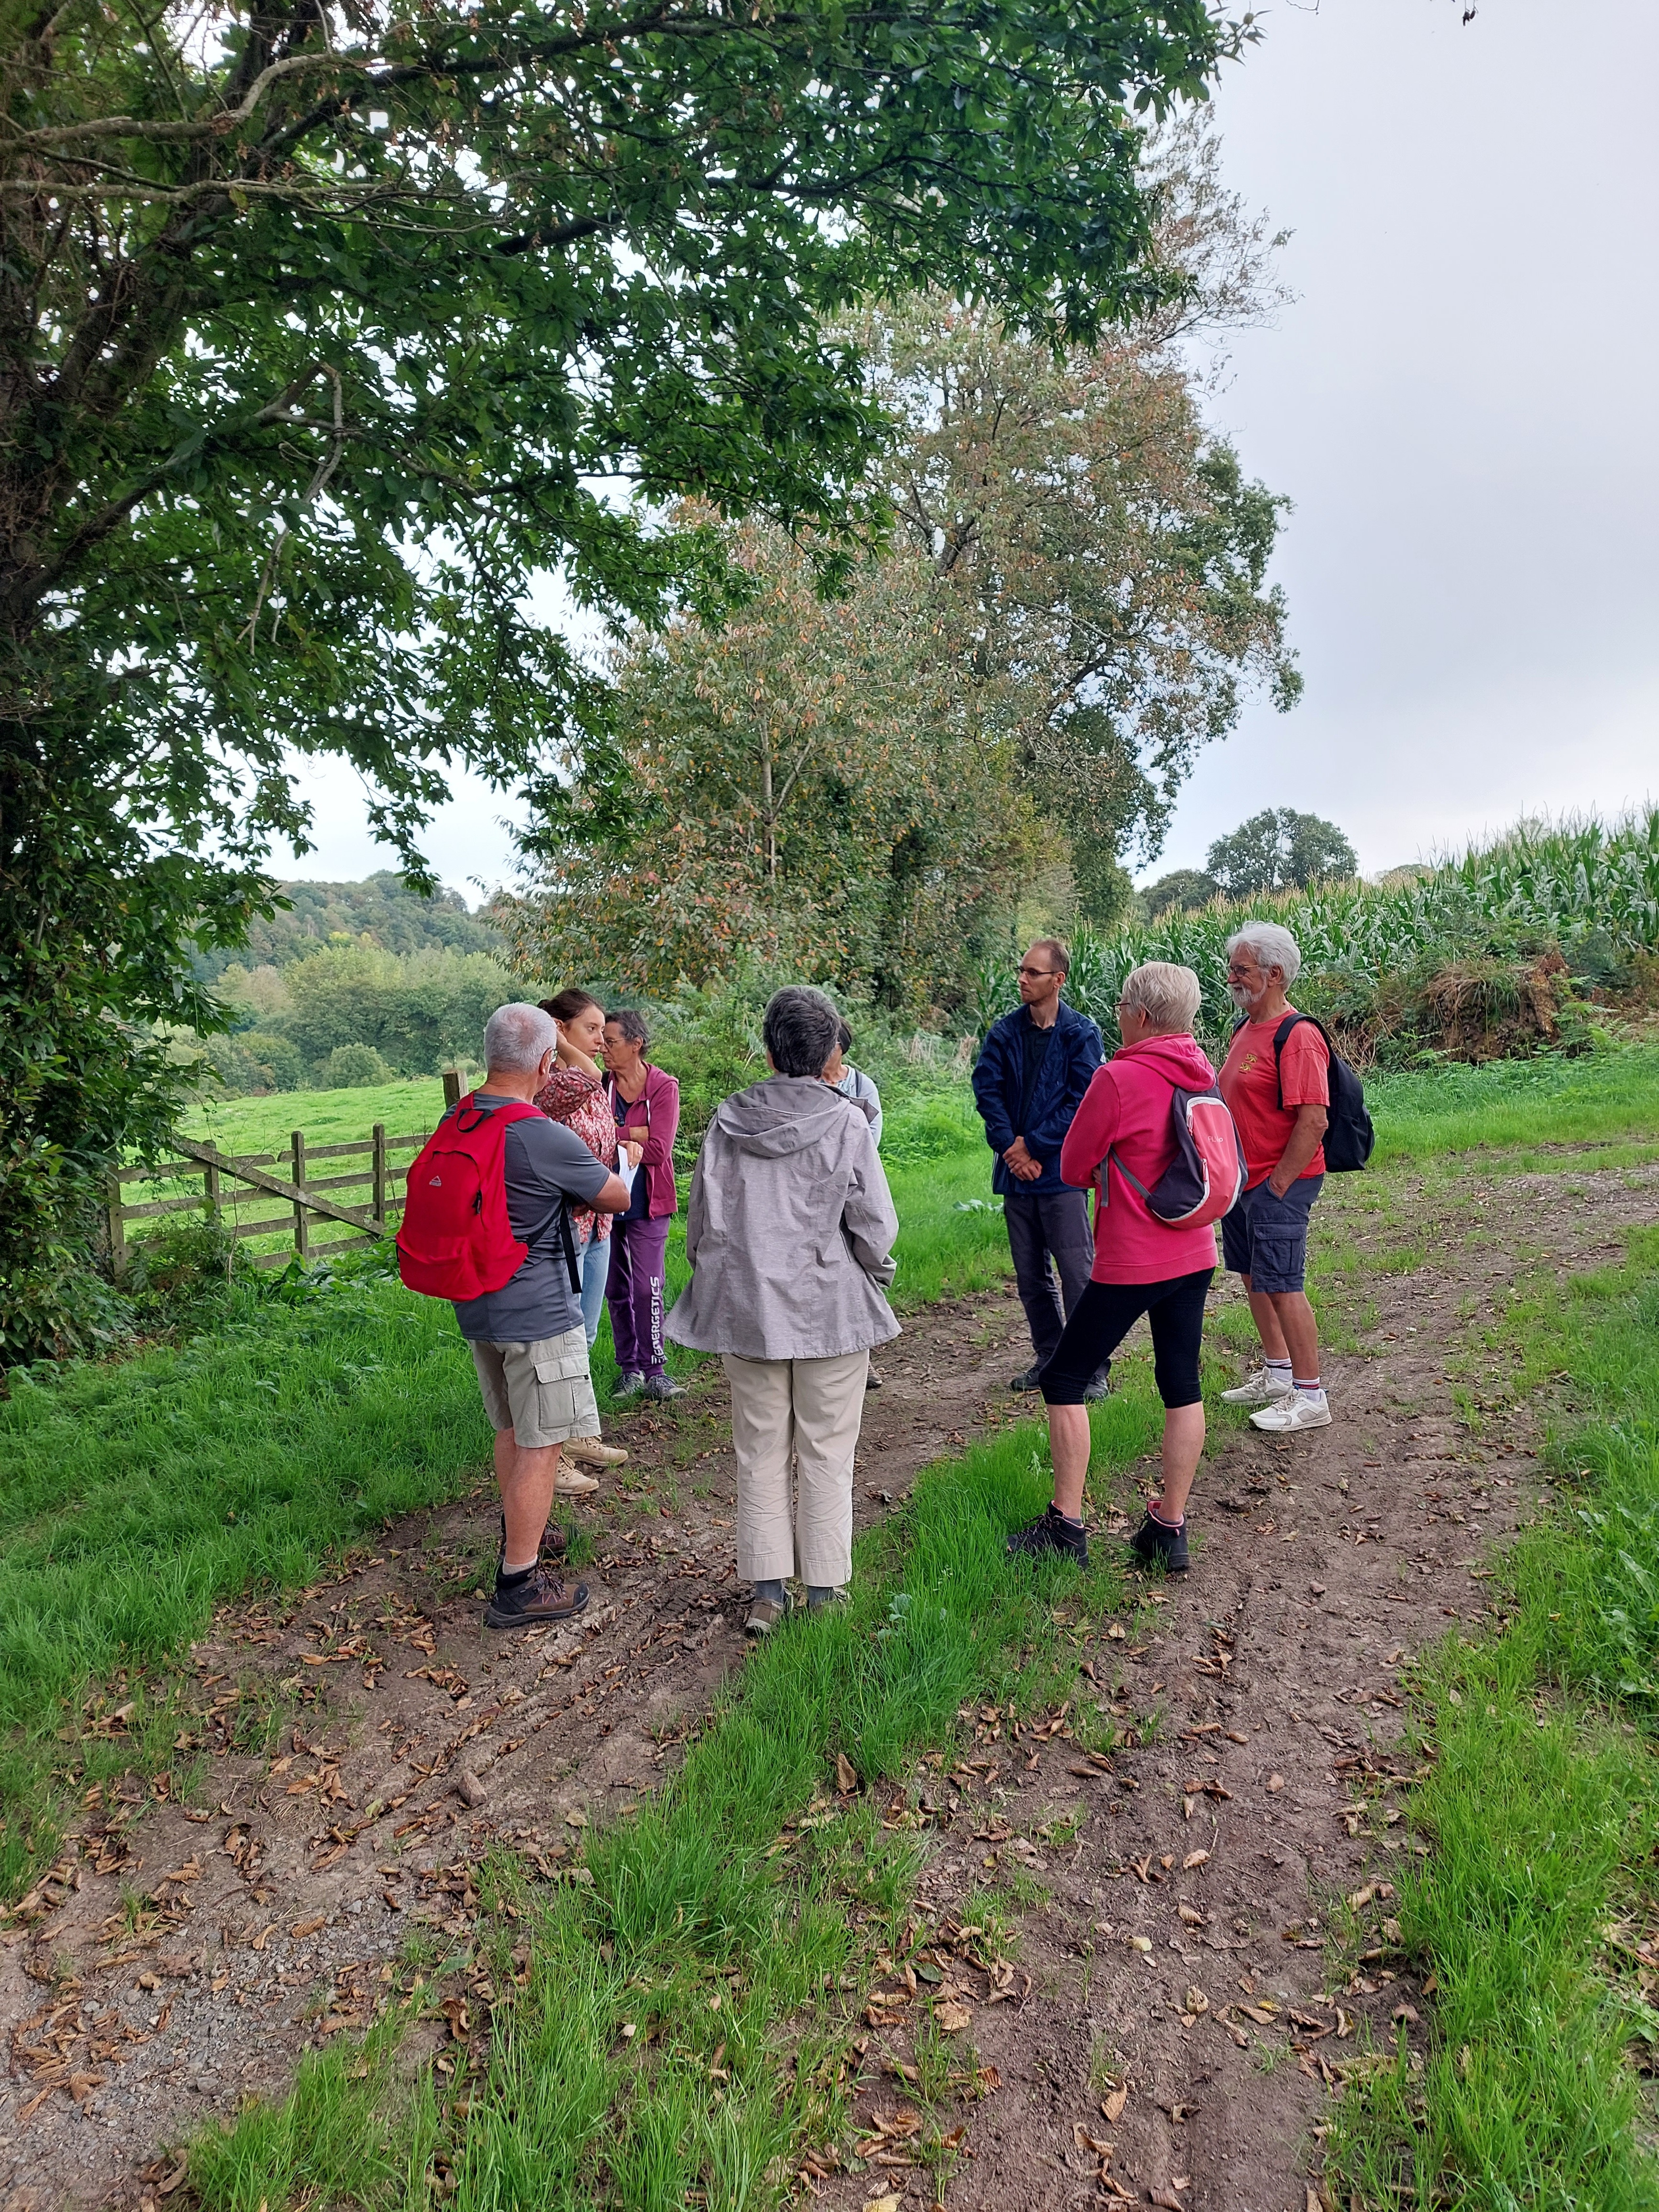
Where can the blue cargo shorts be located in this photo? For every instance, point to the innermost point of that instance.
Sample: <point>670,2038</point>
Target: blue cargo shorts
<point>1266,1238</point>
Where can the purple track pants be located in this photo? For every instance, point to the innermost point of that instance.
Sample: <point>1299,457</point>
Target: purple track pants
<point>636,1290</point>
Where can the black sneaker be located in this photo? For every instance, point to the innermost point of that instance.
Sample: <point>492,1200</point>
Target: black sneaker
<point>661,1386</point>
<point>1027,1377</point>
<point>1154,1545</point>
<point>538,1601</point>
<point>1053,1536</point>
<point>1099,1389</point>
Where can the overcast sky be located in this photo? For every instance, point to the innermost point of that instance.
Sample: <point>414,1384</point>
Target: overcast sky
<point>1459,403</point>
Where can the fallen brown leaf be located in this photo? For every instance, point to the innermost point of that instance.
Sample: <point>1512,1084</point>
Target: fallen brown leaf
<point>1193,1859</point>
<point>302,1929</point>
<point>1112,2106</point>
<point>1275,1782</point>
<point>846,1775</point>
<point>953,2016</point>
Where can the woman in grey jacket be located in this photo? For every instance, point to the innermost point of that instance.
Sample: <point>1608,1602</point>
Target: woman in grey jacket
<point>790,1236</point>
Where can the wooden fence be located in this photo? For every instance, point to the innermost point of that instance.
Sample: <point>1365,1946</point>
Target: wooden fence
<point>228,1183</point>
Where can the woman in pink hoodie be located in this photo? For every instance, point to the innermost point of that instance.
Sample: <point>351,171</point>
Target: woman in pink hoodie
<point>1142,1266</point>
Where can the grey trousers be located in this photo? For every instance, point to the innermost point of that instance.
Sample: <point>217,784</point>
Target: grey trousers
<point>1049,1231</point>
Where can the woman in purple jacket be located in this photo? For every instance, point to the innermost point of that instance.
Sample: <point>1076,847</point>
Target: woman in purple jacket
<point>646,1105</point>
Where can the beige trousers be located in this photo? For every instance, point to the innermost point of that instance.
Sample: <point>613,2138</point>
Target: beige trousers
<point>807,1412</point>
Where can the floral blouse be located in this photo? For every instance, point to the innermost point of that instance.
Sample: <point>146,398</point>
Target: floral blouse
<point>579,1101</point>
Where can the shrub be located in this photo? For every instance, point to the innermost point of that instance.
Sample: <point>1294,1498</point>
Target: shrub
<point>353,1067</point>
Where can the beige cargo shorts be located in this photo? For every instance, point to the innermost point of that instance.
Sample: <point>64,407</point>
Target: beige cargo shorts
<point>543,1392</point>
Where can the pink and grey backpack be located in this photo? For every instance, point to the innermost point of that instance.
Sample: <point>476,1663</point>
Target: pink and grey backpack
<point>1206,1179</point>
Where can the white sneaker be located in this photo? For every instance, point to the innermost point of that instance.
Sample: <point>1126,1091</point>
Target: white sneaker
<point>1260,1388</point>
<point>1295,1409</point>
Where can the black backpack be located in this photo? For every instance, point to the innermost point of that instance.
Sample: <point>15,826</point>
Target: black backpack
<point>1349,1135</point>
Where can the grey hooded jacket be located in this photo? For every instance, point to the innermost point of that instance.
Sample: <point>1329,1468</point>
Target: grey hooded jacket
<point>790,1229</point>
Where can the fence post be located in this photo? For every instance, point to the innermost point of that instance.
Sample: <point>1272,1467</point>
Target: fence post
<point>451,1087</point>
<point>211,1185</point>
<point>301,1220</point>
<point>118,1226</point>
<point>381,1192</point>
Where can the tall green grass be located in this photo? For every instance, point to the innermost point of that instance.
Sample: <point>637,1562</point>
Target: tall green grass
<point>1595,1099</point>
<point>1542,1810</point>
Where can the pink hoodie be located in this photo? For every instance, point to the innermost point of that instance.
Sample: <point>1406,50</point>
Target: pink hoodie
<point>1126,1109</point>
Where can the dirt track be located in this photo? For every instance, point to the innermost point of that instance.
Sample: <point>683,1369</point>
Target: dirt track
<point>281,1888</point>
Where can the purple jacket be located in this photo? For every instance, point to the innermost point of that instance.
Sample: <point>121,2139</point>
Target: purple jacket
<point>659,1104</point>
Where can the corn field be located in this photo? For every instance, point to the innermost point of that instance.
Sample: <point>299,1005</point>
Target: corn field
<point>1373,953</point>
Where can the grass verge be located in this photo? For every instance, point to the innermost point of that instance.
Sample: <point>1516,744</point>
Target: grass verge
<point>1538,1911</point>
<point>678,2027</point>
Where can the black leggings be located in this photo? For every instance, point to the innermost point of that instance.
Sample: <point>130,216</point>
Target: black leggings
<point>1103,1316</point>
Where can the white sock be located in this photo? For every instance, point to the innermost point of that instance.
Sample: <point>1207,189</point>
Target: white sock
<point>1277,1366</point>
<point>1313,1389</point>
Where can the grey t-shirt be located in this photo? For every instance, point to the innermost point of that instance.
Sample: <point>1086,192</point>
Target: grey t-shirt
<point>545,1162</point>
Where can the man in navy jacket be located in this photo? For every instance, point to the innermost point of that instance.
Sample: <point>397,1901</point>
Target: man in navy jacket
<point>1029,1081</point>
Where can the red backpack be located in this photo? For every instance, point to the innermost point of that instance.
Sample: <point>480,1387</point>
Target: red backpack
<point>456,1241</point>
<point>1207,1177</point>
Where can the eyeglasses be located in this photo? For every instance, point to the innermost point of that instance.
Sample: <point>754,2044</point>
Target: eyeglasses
<point>1038,971</point>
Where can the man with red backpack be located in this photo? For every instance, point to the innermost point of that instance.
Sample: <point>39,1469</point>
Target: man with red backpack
<point>486,1224</point>
<point>1152,1102</point>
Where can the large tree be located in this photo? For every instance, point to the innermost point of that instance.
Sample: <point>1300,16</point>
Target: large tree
<point>1103,556</point>
<point>325,328</point>
<point>806,784</point>
<point>1280,850</point>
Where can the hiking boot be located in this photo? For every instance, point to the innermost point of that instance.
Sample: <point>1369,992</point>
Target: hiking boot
<point>538,1601</point>
<point>764,1614</point>
<point>1027,1377</point>
<point>1155,1544</point>
<point>1261,1389</point>
<point>1052,1536</point>
<point>820,1600</point>
<point>661,1385</point>
<point>571,1482</point>
<point>1297,1409</point>
<point>593,1451</point>
<point>628,1385</point>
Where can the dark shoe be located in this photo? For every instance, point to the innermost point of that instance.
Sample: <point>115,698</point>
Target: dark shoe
<point>552,1544</point>
<point>628,1385</point>
<point>1053,1536</point>
<point>538,1601</point>
<point>1099,1389</point>
<point>1027,1377</point>
<point>1156,1545</point>
<point>661,1385</point>
<point>765,1614</point>
<point>873,1381</point>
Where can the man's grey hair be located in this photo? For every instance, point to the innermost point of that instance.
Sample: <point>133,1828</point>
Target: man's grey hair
<point>516,1037</point>
<point>802,1029</point>
<point>1167,995</point>
<point>1270,945</point>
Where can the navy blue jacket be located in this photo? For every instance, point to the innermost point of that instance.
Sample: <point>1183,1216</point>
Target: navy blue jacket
<point>1074,1053</point>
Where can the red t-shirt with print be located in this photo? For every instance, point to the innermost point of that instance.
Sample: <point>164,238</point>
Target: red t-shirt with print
<point>1250,1084</point>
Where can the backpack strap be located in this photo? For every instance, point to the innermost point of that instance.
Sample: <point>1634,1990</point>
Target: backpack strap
<point>1134,1183</point>
<point>1283,1031</point>
<point>560,1210</point>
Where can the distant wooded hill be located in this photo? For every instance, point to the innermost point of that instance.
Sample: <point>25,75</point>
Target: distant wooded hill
<point>383,909</point>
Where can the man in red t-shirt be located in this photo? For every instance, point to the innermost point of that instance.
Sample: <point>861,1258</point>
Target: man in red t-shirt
<point>1281,1108</point>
